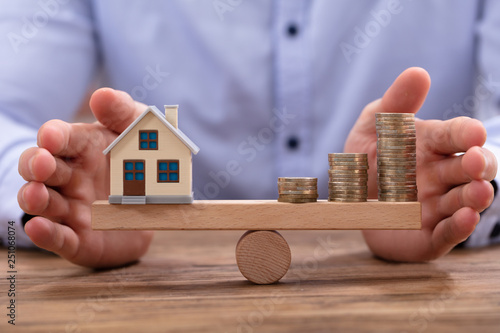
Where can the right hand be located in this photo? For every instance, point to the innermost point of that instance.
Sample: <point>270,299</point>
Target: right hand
<point>453,173</point>
<point>66,173</point>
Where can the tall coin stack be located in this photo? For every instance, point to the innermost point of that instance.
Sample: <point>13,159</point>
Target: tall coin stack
<point>297,189</point>
<point>396,157</point>
<point>348,177</point>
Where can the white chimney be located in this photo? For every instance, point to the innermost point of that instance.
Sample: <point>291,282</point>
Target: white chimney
<point>171,114</point>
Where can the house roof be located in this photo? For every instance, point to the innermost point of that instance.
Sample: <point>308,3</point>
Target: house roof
<point>154,110</point>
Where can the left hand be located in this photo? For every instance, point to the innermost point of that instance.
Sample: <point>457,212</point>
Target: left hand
<point>452,188</point>
<point>66,173</point>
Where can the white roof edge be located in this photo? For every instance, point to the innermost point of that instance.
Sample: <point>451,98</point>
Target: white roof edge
<point>177,132</point>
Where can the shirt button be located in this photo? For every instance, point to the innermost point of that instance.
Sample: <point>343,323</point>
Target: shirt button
<point>293,143</point>
<point>292,30</point>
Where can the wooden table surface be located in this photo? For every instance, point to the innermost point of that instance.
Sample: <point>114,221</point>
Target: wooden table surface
<point>189,282</point>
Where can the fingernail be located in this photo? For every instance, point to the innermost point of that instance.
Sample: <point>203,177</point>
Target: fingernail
<point>23,189</point>
<point>30,165</point>
<point>485,166</point>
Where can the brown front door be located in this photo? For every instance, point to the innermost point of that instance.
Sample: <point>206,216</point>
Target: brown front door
<point>134,175</point>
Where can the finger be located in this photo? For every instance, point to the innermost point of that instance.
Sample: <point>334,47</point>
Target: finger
<point>406,95</point>
<point>453,230</point>
<point>115,109</point>
<point>70,140</point>
<point>37,164</point>
<point>45,162</point>
<point>53,237</point>
<point>408,92</point>
<point>85,249</point>
<point>480,163</point>
<point>35,198</point>
<point>477,195</point>
<point>477,163</point>
<point>452,136</point>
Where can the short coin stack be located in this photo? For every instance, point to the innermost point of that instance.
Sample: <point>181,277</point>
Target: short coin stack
<point>348,177</point>
<point>396,157</point>
<point>297,189</point>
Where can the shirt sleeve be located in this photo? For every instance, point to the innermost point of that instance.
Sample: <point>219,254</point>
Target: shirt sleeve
<point>47,61</point>
<point>487,98</point>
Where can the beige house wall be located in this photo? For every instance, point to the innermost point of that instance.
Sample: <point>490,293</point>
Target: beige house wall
<point>169,148</point>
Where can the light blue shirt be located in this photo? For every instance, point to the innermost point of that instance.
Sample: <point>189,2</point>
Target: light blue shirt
<point>265,88</point>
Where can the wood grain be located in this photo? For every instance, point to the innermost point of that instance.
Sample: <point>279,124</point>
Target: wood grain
<point>189,282</point>
<point>258,215</point>
<point>263,257</point>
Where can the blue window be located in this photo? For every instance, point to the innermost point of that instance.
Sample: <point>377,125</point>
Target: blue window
<point>168,171</point>
<point>162,166</point>
<point>129,166</point>
<point>139,176</point>
<point>148,140</point>
<point>129,176</point>
<point>139,165</point>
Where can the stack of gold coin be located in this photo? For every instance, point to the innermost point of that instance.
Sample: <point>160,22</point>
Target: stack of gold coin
<point>348,177</point>
<point>297,189</point>
<point>396,157</point>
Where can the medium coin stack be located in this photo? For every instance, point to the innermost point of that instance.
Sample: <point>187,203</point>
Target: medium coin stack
<point>297,189</point>
<point>348,177</point>
<point>396,157</point>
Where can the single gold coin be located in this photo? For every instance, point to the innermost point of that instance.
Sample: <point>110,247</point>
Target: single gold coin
<point>298,192</point>
<point>296,179</point>
<point>348,183</point>
<point>298,196</point>
<point>348,155</point>
<point>297,188</point>
<point>297,183</point>
<point>347,199</point>
<point>296,200</point>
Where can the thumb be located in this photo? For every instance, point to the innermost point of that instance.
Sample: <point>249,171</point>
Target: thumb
<point>406,95</point>
<point>115,109</point>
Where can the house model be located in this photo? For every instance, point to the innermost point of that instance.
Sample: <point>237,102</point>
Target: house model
<point>150,162</point>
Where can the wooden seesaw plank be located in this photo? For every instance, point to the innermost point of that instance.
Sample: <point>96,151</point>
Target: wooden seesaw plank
<point>257,215</point>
